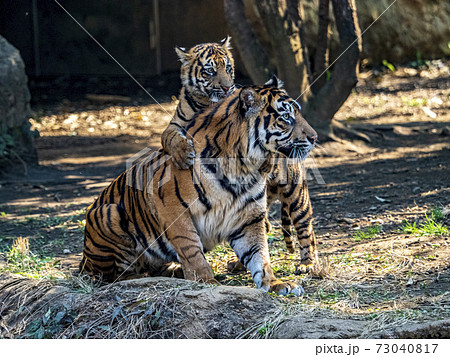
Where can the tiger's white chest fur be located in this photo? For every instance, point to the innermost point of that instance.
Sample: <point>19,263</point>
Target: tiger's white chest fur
<point>227,210</point>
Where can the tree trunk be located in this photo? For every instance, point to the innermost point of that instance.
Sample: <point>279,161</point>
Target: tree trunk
<point>345,73</point>
<point>256,61</point>
<point>321,57</point>
<point>283,22</point>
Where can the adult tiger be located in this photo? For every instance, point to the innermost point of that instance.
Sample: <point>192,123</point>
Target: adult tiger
<point>207,76</point>
<point>154,213</point>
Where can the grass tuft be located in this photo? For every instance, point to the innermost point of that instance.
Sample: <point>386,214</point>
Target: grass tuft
<point>368,233</point>
<point>20,260</point>
<point>429,228</point>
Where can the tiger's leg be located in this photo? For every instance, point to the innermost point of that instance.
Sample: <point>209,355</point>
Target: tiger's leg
<point>301,216</point>
<point>308,245</point>
<point>182,235</point>
<point>234,265</point>
<point>250,245</point>
<point>110,247</point>
<point>279,188</point>
<point>287,227</point>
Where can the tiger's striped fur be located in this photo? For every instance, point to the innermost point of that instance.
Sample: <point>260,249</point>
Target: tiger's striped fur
<point>286,183</point>
<point>154,213</point>
<point>207,77</point>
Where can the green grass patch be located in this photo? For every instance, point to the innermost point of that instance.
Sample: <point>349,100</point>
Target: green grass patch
<point>436,214</point>
<point>429,228</point>
<point>368,233</point>
<point>414,102</point>
<point>20,260</point>
<point>388,65</point>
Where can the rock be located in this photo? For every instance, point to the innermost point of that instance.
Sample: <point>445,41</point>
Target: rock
<point>165,308</point>
<point>429,112</point>
<point>176,308</point>
<point>403,130</point>
<point>410,282</point>
<point>436,100</point>
<point>16,140</point>
<point>426,330</point>
<point>306,327</point>
<point>345,220</point>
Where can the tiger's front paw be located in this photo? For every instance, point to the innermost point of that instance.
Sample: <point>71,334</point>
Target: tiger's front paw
<point>183,153</point>
<point>285,288</point>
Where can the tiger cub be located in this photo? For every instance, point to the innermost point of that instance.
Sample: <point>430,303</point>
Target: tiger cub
<point>155,213</point>
<point>207,76</point>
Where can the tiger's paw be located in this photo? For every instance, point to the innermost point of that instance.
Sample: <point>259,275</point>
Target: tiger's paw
<point>183,153</point>
<point>285,288</point>
<point>172,270</point>
<point>235,265</point>
<point>303,269</point>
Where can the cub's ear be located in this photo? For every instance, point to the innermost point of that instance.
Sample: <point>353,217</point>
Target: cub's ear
<point>226,42</point>
<point>274,82</point>
<point>183,55</point>
<point>248,99</point>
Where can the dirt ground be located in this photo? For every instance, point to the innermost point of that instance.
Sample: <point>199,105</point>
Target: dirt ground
<point>365,194</point>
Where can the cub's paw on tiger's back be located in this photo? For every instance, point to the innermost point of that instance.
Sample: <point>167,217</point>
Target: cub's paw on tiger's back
<point>182,152</point>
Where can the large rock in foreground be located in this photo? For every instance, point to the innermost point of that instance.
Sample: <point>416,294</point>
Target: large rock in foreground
<point>16,142</point>
<point>173,308</point>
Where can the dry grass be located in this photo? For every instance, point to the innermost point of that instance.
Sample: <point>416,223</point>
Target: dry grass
<point>19,259</point>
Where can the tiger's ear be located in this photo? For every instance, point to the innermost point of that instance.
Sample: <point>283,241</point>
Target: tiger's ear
<point>183,55</point>
<point>248,101</point>
<point>226,42</point>
<point>274,82</point>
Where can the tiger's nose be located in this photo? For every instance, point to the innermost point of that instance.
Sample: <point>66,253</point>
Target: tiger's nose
<point>312,139</point>
<point>225,89</point>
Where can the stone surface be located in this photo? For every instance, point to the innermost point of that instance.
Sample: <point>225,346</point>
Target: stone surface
<point>174,308</point>
<point>15,137</point>
<point>306,327</point>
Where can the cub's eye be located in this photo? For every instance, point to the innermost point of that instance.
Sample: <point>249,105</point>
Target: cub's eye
<point>210,71</point>
<point>229,68</point>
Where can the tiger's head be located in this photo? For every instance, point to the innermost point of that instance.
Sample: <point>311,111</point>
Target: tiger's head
<point>278,125</point>
<point>207,70</point>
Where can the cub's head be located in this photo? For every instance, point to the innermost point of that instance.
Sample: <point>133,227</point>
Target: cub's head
<point>207,70</point>
<point>278,125</point>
